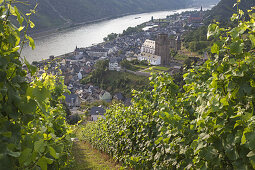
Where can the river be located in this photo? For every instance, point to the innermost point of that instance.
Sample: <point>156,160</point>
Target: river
<point>84,36</point>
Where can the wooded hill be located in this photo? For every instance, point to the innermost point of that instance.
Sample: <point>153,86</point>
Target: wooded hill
<point>56,13</point>
<point>224,9</point>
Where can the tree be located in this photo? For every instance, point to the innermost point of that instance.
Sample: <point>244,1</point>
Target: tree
<point>111,37</point>
<point>126,64</point>
<point>99,70</point>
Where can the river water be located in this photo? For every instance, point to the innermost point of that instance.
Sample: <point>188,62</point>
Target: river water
<point>83,36</point>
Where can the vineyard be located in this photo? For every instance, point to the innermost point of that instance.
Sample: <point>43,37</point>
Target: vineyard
<point>33,130</point>
<point>207,124</point>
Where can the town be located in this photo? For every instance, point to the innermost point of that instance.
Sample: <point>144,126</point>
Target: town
<point>148,48</point>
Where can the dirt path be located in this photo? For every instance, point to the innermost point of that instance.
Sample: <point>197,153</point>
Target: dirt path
<point>88,158</point>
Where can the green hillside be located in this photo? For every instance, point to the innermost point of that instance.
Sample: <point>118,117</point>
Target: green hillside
<point>224,9</point>
<point>56,13</point>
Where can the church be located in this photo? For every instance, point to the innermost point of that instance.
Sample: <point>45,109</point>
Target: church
<point>158,52</point>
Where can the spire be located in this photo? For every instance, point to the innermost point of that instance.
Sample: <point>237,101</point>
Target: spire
<point>201,9</point>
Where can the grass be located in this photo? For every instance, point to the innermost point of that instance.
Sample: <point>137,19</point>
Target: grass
<point>161,68</point>
<point>137,67</point>
<point>181,57</point>
<point>153,70</point>
<point>156,69</point>
<point>88,158</point>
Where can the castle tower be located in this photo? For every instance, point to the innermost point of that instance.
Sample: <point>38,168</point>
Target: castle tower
<point>162,46</point>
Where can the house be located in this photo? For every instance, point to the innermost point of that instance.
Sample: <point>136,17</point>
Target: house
<point>151,58</point>
<point>119,96</point>
<point>98,52</point>
<point>148,46</point>
<point>96,112</point>
<point>104,95</point>
<point>114,64</point>
<point>72,100</point>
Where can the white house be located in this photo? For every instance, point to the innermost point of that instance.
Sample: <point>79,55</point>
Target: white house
<point>151,58</point>
<point>96,112</point>
<point>148,46</point>
<point>114,64</point>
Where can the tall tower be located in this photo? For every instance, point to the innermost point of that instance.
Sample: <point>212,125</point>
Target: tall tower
<point>162,46</point>
<point>201,12</point>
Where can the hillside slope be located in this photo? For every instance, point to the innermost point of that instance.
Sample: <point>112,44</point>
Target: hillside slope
<point>57,13</point>
<point>224,9</point>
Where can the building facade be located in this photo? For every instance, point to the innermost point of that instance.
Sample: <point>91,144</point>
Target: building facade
<point>151,58</point>
<point>148,47</point>
<point>114,64</point>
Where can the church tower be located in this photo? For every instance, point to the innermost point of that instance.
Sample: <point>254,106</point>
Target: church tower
<point>162,46</point>
<point>201,12</point>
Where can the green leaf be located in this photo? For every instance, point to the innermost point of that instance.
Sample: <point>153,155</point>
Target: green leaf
<point>235,32</point>
<point>28,107</point>
<point>43,163</point>
<point>224,101</point>
<point>12,10</point>
<point>39,146</point>
<point>252,38</point>
<point>31,42</point>
<point>236,47</point>
<point>243,140</point>
<point>251,153</point>
<point>158,140</point>
<point>232,154</point>
<point>213,29</point>
<point>32,25</point>
<point>234,17</point>
<point>25,157</point>
<point>19,17</point>
<point>14,154</point>
<point>215,49</point>
<point>32,69</point>
<point>53,152</point>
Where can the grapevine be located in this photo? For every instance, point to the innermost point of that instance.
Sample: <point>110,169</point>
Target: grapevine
<point>33,129</point>
<point>208,126</point>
